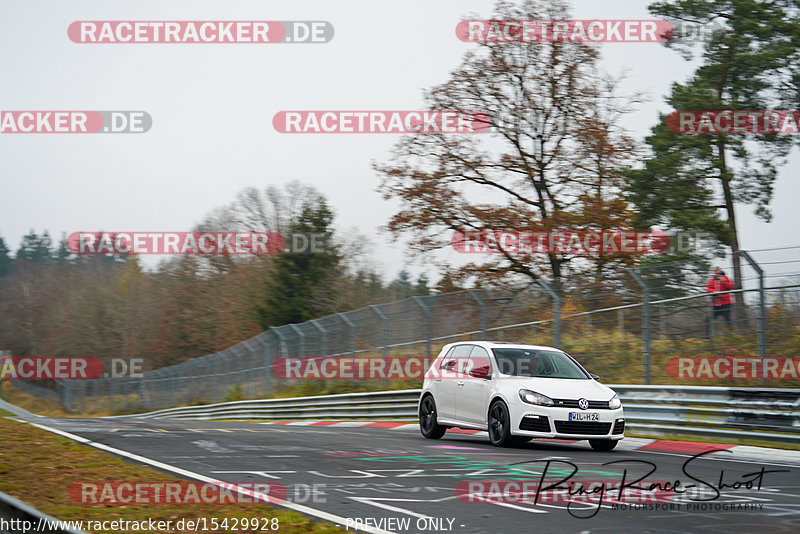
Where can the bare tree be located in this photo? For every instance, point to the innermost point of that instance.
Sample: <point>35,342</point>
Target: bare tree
<point>549,162</point>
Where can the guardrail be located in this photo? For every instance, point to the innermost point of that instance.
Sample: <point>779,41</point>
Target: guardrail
<point>16,517</point>
<point>384,404</point>
<point>771,415</point>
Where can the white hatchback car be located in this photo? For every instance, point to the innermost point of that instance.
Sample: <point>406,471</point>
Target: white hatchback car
<point>517,392</point>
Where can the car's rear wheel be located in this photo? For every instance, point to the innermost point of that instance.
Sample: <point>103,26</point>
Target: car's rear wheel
<point>603,445</point>
<point>499,424</point>
<point>427,419</point>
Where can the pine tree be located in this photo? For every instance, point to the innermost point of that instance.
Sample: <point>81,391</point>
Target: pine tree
<point>6,263</point>
<point>300,281</point>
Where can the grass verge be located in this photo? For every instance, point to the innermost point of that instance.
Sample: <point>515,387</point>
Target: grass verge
<point>39,468</point>
<point>728,441</point>
<point>35,404</point>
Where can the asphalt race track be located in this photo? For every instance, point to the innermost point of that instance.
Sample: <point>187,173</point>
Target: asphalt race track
<point>402,482</point>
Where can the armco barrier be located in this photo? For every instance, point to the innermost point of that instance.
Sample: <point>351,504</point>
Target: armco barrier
<point>771,415</point>
<point>16,517</point>
<point>400,404</point>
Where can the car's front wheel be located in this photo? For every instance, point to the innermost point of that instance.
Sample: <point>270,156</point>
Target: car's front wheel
<point>499,424</point>
<point>427,419</point>
<point>603,445</point>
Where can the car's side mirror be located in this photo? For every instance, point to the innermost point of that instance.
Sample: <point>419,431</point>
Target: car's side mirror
<point>480,372</point>
<point>594,376</point>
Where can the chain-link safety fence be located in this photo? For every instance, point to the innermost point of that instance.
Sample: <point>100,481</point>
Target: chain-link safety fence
<point>653,324</point>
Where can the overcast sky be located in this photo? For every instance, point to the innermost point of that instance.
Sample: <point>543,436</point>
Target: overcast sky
<point>212,109</point>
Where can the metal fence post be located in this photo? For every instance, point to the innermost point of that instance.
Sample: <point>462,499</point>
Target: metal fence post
<point>158,389</point>
<point>352,327</point>
<point>762,313</point>
<point>645,321</point>
<point>251,365</point>
<point>267,361</point>
<point>302,337</point>
<point>385,336</point>
<point>225,368</point>
<point>65,389</point>
<point>484,322</point>
<point>385,319</point>
<point>181,383</point>
<point>144,394</point>
<point>281,341</point>
<point>556,311</point>
<point>238,380</point>
<point>113,391</point>
<point>428,326</point>
<point>324,333</point>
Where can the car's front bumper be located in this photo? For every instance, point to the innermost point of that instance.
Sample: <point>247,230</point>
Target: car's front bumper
<point>550,422</point>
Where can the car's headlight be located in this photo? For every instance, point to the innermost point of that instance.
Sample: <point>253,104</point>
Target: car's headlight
<point>614,403</point>
<point>531,397</point>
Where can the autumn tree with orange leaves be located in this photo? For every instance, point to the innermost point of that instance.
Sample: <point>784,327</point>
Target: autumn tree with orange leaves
<point>549,162</point>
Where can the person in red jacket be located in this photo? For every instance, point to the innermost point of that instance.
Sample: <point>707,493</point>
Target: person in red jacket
<point>720,300</point>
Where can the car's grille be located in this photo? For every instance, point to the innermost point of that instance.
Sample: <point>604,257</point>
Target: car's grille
<point>535,424</point>
<point>589,428</point>
<point>573,403</point>
<point>619,427</point>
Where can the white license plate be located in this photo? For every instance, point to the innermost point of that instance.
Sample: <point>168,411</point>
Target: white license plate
<point>583,416</point>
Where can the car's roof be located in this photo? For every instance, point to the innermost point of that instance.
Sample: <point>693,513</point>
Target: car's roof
<point>502,344</point>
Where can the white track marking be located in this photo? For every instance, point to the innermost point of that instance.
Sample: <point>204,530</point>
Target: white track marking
<point>380,502</point>
<point>197,476</point>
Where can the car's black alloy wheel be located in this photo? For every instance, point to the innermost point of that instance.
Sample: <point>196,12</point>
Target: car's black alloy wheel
<point>499,424</point>
<point>427,419</point>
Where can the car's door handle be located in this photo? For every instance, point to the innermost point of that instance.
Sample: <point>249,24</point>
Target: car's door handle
<point>460,384</point>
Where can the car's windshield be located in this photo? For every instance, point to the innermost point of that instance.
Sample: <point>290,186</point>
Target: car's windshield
<point>537,363</point>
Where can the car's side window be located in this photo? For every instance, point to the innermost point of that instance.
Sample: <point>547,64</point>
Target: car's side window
<point>457,358</point>
<point>480,365</point>
<point>447,360</point>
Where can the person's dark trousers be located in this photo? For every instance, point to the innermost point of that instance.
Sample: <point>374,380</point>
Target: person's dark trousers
<point>725,311</point>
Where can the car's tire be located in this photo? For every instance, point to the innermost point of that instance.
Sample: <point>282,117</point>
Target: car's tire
<point>427,419</point>
<point>499,424</point>
<point>603,445</point>
<point>520,439</point>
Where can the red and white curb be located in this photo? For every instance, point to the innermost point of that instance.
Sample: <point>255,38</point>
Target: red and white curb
<point>726,451</point>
